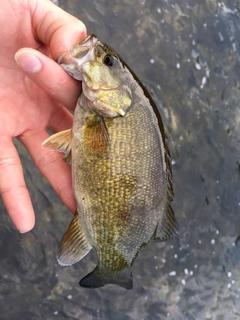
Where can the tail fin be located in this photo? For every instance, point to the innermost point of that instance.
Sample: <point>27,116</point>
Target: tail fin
<point>97,279</point>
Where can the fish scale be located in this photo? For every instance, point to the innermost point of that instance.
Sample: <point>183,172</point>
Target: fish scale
<point>120,166</point>
<point>112,167</point>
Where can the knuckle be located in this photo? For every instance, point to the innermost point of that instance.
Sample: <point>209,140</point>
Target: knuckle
<point>65,191</point>
<point>49,158</point>
<point>15,190</point>
<point>6,162</point>
<point>9,168</point>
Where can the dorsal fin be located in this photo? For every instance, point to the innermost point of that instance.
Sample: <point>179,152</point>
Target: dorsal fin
<point>74,245</point>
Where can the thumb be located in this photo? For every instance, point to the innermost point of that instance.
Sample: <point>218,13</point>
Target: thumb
<point>49,76</point>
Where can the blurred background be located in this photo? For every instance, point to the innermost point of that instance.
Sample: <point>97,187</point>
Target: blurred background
<point>187,53</point>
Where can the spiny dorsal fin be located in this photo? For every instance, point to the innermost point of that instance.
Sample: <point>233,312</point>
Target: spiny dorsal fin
<point>74,245</point>
<point>168,228</point>
<point>60,141</point>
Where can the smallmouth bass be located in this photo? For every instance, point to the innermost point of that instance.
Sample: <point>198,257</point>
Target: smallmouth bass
<point>122,178</point>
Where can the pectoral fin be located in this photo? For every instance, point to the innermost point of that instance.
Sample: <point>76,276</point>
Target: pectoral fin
<point>60,141</point>
<point>96,136</point>
<point>168,228</point>
<point>74,245</point>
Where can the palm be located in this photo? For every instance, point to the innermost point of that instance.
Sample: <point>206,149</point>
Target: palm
<point>27,107</point>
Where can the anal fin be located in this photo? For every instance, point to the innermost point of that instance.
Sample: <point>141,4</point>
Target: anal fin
<point>74,245</point>
<point>168,227</point>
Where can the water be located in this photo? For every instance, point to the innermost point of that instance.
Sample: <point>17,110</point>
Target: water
<point>187,54</point>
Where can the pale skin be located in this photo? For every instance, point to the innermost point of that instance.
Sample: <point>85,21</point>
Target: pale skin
<point>35,93</point>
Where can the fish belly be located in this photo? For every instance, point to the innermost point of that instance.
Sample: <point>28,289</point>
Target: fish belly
<point>120,187</point>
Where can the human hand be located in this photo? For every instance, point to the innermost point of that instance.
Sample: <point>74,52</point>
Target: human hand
<point>34,99</point>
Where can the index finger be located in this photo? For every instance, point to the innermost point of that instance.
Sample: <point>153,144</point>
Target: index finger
<point>56,28</point>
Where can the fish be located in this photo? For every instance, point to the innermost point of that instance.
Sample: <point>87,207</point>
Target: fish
<point>121,166</point>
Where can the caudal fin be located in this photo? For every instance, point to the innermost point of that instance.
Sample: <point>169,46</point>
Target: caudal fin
<point>97,279</point>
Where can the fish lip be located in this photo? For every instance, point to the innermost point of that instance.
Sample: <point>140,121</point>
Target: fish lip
<point>90,38</point>
<point>79,53</point>
<point>73,60</point>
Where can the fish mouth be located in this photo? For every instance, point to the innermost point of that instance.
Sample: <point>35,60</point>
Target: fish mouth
<point>71,61</point>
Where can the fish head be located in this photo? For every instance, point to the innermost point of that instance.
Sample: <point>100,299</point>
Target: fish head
<point>71,61</point>
<point>102,74</point>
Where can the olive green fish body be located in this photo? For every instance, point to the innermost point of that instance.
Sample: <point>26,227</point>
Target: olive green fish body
<point>120,167</point>
<point>122,186</point>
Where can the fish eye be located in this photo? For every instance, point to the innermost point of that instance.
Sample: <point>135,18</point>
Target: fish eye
<point>108,60</point>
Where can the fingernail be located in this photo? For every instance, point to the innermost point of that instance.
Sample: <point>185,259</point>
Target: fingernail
<point>28,62</point>
<point>26,230</point>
